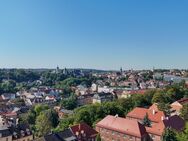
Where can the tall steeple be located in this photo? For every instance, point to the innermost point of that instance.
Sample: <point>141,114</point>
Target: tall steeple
<point>121,70</point>
<point>57,69</point>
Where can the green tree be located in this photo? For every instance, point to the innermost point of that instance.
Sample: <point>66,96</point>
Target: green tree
<point>184,112</point>
<point>98,138</point>
<point>126,104</point>
<point>139,100</point>
<point>53,117</point>
<point>159,97</point>
<point>43,125</point>
<point>83,116</point>
<point>169,135</point>
<point>39,108</point>
<point>146,121</point>
<point>165,107</point>
<point>183,136</point>
<point>29,117</point>
<point>46,121</point>
<point>69,103</point>
<point>64,123</point>
<point>8,86</point>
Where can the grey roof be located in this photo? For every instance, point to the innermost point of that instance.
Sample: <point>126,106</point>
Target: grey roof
<point>5,133</point>
<point>65,135</point>
<point>66,111</point>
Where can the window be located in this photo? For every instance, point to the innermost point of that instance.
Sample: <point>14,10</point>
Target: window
<point>124,136</point>
<point>153,137</point>
<point>130,138</point>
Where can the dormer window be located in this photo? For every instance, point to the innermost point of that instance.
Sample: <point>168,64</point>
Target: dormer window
<point>22,133</point>
<point>28,131</point>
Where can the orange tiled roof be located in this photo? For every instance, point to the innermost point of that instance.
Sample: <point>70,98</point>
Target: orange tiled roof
<point>154,107</point>
<point>175,122</point>
<point>139,113</point>
<point>123,125</point>
<point>90,132</point>
<point>183,101</point>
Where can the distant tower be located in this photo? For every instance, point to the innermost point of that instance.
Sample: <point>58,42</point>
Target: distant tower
<point>132,70</point>
<point>121,70</point>
<point>65,71</point>
<point>57,69</point>
<point>153,69</point>
<point>97,88</point>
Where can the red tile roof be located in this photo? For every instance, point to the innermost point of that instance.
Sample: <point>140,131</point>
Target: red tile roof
<point>183,101</point>
<point>137,92</point>
<point>139,113</point>
<point>177,105</point>
<point>154,107</point>
<point>130,127</point>
<point>90,132</point>
<point>9,114</point>
<point>175,122</point>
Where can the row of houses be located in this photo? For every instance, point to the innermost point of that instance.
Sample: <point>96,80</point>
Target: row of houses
<point>15,132</point>
<point>131,127</point>
<point>79,132</point>
<point>94,98</point>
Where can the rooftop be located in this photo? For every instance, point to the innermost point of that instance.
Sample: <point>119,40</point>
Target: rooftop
<point>123,125</point>
<point>139,113</point>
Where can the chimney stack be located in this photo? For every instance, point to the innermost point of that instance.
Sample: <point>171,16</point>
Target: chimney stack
<point>162,118</point>
<point>153,112</point>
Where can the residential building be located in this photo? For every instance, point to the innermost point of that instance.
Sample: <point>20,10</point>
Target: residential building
<point>8,96</point>
<point>156,131</point>
<point>19,132</point>
<point>80,132</point>
<point>5,135</point>
<point>153,113</point>
<point>178,105</point>
<point>85,99</point>
<point>102,97</point>
<point>66,135</point>
<point>64,112</point>
<point>114,128</point>
<point>84,132</point>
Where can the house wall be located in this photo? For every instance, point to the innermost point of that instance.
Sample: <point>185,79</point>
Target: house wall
<point>28,138</point>
<point>84,101</point>
<point>96,101</point>
<point>110,135</point>
<point>9,138</point>
<point>154,137</point>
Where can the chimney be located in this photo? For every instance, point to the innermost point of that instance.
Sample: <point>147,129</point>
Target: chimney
<point>82,132</point>
<point>79,127</point>
<point>153,112</point>
<point>77,133</point>
<point>162,118</point>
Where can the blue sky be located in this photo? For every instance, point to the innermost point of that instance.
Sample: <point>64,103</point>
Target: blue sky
<point>101,34</point>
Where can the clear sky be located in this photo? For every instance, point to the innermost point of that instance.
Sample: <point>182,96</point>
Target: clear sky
<point>101,34</point>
